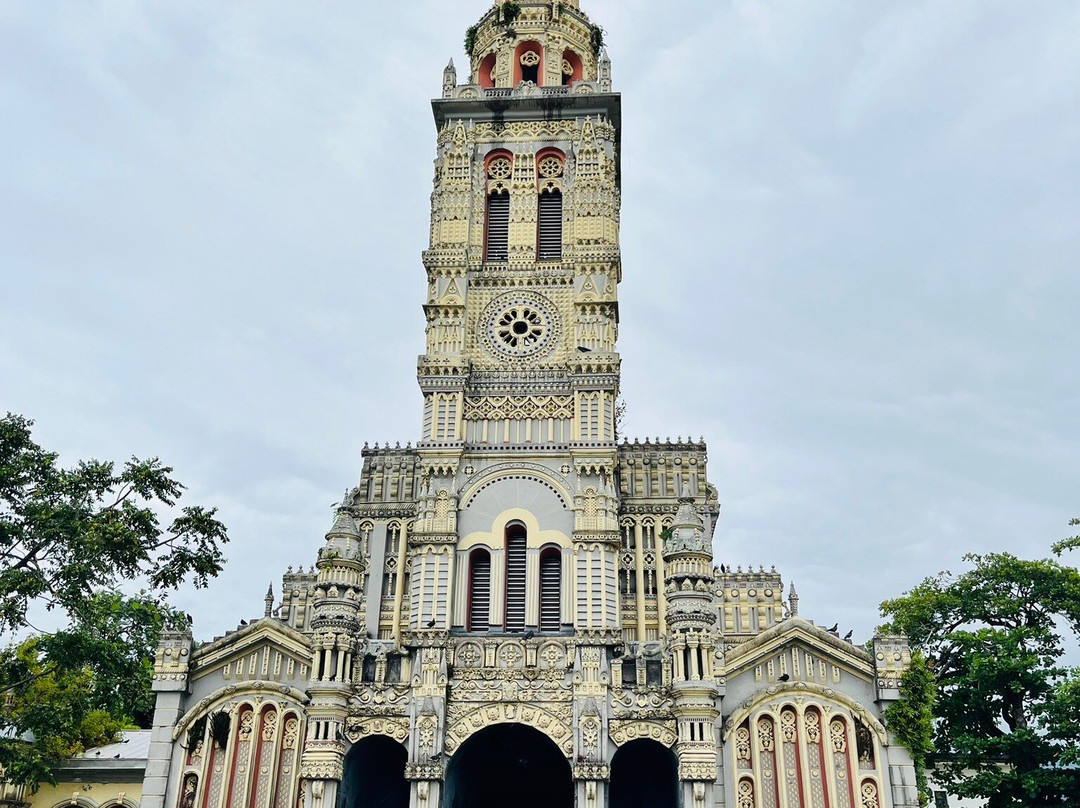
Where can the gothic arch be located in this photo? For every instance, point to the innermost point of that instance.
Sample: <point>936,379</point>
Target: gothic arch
<point>787,746</point>
<point>288,696</point>
<point>797,692</point>
<point>374,774</point>
<point>86,802</point>
<point>644,774</point>
<point>249,748</point>
<point>508,764</point>
<point>505,471</point>
<point>394,728</point>
<point>545,721</point>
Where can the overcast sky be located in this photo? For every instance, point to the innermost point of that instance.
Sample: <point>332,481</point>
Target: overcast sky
<point>851,243</point>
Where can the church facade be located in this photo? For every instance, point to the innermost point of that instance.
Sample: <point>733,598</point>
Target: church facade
<point>524,607</point>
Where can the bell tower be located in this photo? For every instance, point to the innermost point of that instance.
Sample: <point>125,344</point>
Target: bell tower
<point>523,265</point>
<point>521,368</point>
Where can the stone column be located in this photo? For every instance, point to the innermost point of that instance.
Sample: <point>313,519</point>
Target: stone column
<point>171,666</point>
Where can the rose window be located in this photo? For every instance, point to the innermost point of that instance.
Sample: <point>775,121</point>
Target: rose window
<point>499,168</point>
<point>550,166</point>
<point>521,327</point>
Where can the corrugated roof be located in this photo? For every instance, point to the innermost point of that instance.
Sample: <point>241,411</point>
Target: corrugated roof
<point>134,745</point>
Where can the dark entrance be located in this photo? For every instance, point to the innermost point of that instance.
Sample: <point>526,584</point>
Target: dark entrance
<point>508,765</point>
<point>644,774</point>
<point>375,775</point>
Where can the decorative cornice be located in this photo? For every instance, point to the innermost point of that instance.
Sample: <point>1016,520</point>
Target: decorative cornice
<point>298,697</point>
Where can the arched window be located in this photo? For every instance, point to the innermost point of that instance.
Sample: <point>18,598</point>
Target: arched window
<point>550,589</point>
<point>783,758</point>
<point>479,616</point>
<point>528,63</point>
<point>572,70</point>
<point>247,758</point>
<point>497,219</point>
<point>486,74</point>
<point>515,576</point>
<point>497,243</point>
<point>549,216</point>
<point>550,226</point>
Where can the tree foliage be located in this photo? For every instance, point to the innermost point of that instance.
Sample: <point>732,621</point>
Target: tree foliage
<point>69,537</point>
<point>77,688</point>
<point>993,637</point>
<point>911,718</point>
<point>65,533</point>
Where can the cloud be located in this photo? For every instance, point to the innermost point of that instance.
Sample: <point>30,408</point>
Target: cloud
<point>849,238</point>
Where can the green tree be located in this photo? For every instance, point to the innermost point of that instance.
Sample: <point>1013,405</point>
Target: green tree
<point>993,636</point>
<point>77,688</point>
<point>69,537</point>
<point>911,718</point>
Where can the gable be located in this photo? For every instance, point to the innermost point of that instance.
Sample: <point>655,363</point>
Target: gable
<point>803,653</point>
<point>265,651</point>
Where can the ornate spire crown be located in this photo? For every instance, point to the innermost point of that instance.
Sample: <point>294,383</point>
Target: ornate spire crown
<point>550,44</point>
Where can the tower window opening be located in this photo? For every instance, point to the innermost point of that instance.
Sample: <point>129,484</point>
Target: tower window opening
<point>572,69</point>
<point>497,242</point>
<point>550,589</point>
<point>479,616</point>
<point>530,66</point>
<point>528,63</point>
<point>550,216</point>
<point>515,577</point>
<point>486,74</point>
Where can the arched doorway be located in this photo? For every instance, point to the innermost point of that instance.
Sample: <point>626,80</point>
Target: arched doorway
<point>374,775</point>
<point>644,774</point>
<point>508,764</point>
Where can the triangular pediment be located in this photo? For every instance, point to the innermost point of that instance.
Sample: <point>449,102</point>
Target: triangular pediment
<point>801,651</point>
<point>452,295</point>
<point>266,649</point>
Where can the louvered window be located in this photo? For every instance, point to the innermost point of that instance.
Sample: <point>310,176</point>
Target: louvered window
<point>479,590</point>
<point>515,578</point>
<point>550,589</point>
<point>498,227</point>
<point>550,226</point>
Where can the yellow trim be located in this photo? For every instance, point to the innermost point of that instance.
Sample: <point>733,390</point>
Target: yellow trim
<point>495,540</point>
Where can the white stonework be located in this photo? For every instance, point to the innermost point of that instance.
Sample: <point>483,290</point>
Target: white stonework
<point>522,608</point>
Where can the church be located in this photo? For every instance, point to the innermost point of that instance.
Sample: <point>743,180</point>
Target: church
<point>523,607</point>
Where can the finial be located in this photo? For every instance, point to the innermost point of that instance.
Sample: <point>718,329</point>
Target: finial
<point>269,600</point>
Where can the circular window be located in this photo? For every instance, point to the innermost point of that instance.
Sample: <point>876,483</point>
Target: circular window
<point>550,166</point>
<point>499,168</point>
<point>521,325</point>
<point>530,58</point>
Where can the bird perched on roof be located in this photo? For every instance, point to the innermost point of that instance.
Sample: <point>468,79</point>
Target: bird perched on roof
<point>783,677</point>
<point>833,629</point>
<point>431,623</point>
<point>848,636</point>
<point>528,635</point>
